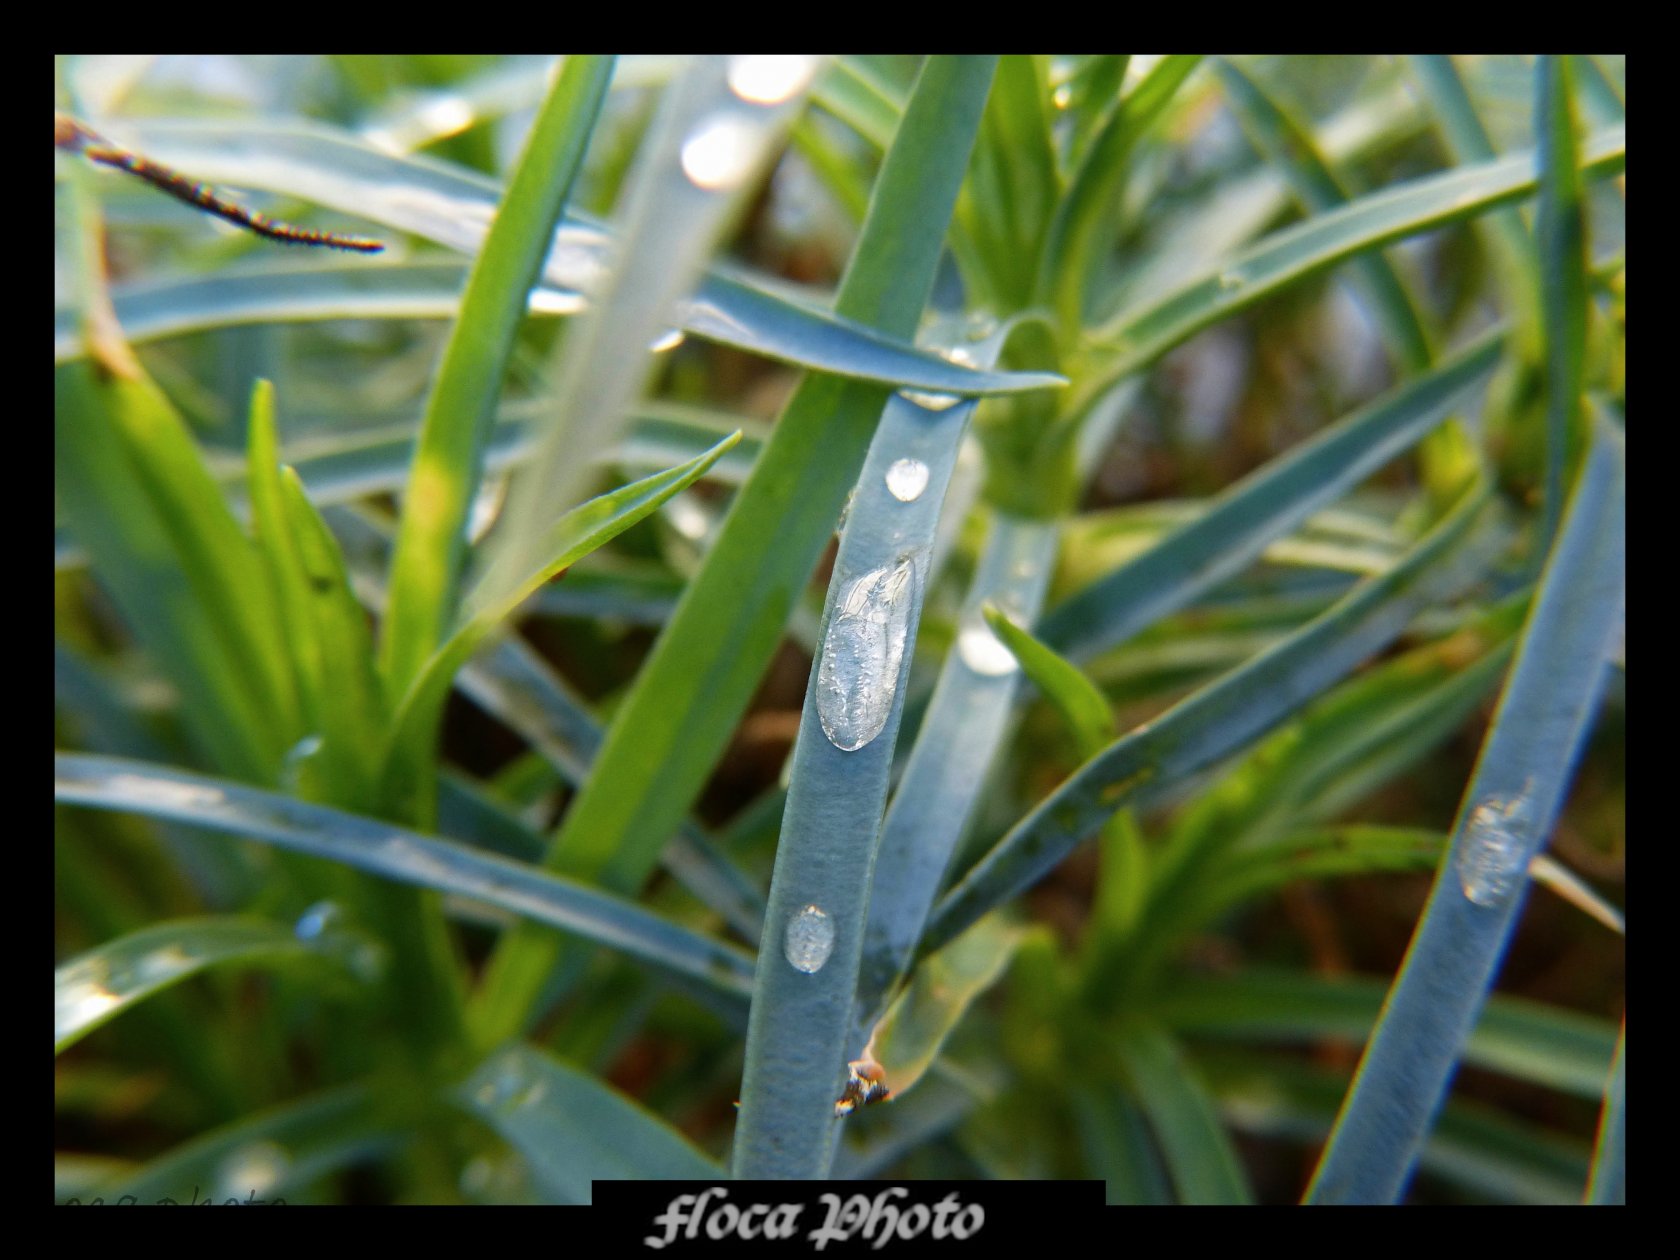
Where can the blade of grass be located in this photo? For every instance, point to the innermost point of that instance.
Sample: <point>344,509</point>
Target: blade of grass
<point>460,409</point>
<point>1239,524</point>
<point>704,668</point>
<point>1560,236</point>
<point>1508,810</point>
<point>1138,336</point>
<point>572,1129</point>
<point>368,844</point>
<point>1217,720</point>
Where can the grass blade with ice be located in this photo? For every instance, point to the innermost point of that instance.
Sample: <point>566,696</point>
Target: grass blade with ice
<point>1507,813</point>
<point>673,725</point>
<point>797,1038</point>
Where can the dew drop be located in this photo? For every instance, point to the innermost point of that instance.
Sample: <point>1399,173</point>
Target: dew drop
<point>721,152</point>
<point>1062,96</point>
<point>907,478</point>
<point>858,676</point>
<point>809,939</point>
<point>768,80</point>
<point>318,920</point>
<point>670,339</point>
<point>982,651</point>
<point>929,402</point>
<point>1491,855</point>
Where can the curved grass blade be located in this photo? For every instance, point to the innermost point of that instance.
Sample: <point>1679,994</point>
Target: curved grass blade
<point>1268,503</point>
<point>1508,810</point>
<point>947,769</point>
<point>713,135</point>
<point>367,844</point>
<point>1138,336</point>
<point>689,694</point>
<point>450,452</point>
<point>1182,1115</point>
<point>408,757</point>
<point>454,207</point>
<point>101,984</point>
<point>1217,720</point>
<point>572,1129</point>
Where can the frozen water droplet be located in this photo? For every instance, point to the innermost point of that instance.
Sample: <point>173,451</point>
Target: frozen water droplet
<point>670,339</point>
<point>929,402</point>
<point>767,80</point>
<point>907,478</point>
<point>721,152</point>
<point>982,651</point>
<point>809,939</point>
<point>858,676</point>
<point>1062,96</point>
<point>1491,860</point>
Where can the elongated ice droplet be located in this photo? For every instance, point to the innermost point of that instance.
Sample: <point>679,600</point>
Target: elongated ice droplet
<point>906,479</point>
<point>809,939</point>
<point>858,676</point>
<point>1491,856</point>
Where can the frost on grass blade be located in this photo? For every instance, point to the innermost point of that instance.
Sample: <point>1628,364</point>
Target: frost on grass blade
<point>858,676</point>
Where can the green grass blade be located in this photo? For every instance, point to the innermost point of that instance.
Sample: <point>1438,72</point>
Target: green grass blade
<point>1526,1040</point>
<point>408,760</point>
<point>673,725</point>
<point>1271,501</point>
<point>99,985</point>
<point>137,497</point>
<point>1198,1154</point>
<point>1560,235</point>
<point>1216,721</point>
<point>572,1129</point>
<point>408,857</point>
<point>449,457</point>
<point>1137,337</point>
<point>1507,813</point>
<point>454,207</point>
<point>1609,1173</point>
<point>948,768</point>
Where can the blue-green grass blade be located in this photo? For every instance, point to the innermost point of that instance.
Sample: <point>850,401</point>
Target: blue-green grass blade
<point>1268,503</point>
<point>1183,1117</point>
<point>1507,813</point>
<point>1219,719</point>
<point>572,1129</point>
<point>1609,1172</point>
<point>686,700</point>
<point>405,856</point>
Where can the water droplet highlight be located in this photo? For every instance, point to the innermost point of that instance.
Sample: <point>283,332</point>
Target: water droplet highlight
<point>858,676</point>
<point>1491,856</point>
<point>721,152</point>
<point>670,339</point>
<point>929,402</point>
<point>809,939</point>
<point>907,478</point>
<point>982,651</point>
<point>768,80</point>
